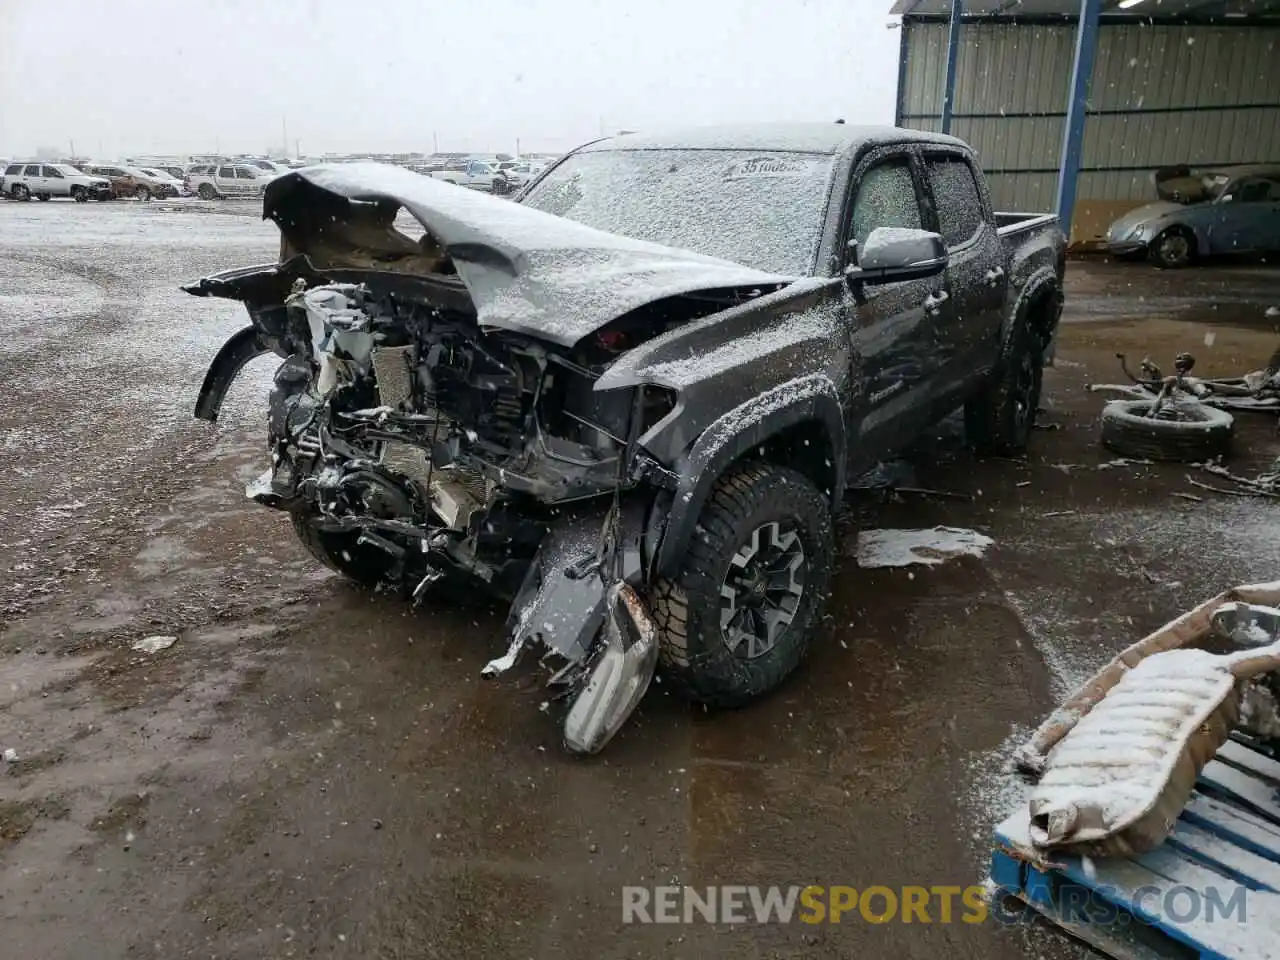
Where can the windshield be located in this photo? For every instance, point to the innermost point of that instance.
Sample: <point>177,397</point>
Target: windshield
<point>764,210</point>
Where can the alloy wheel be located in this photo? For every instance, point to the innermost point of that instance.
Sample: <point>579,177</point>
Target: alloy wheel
<point>762,590</point>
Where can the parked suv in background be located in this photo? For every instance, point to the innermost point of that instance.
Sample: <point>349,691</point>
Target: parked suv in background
<point>211,181</point>
<point>132,182</point>
<point>22,181</point>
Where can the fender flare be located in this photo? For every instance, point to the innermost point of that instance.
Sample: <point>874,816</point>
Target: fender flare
<point>1041,280</point>
<point>244,346</point>
<point>809,399</point>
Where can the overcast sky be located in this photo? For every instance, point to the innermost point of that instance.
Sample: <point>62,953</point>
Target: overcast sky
<point>126,76</point>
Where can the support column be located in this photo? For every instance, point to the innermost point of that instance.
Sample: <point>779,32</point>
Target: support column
<point>1073,128</point>
<point>953,54</point>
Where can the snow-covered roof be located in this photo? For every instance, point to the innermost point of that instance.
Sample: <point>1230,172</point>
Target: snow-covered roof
<point>815,137</point>
<point>1205,10</point>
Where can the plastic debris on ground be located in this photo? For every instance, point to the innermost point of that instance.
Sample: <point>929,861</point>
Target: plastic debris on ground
<point>153,644</point>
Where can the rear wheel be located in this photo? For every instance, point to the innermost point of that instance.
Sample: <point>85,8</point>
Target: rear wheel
<point>737,620</point>
<point>20,192</point>
<point>342,552</point>
<point>1173,248</point>
<point>1000,420</point>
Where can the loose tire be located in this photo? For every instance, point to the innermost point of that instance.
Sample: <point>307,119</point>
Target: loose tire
<point>1173,248</point>
<point>737,620</point>
<point>206,192</point>
<point>142,193</point>
<point>79,194</point>
<point>42,197</point>
<point>1199,433</point>
<point>340,552</point>
<point>1000,420</point>
<point>19,191</point>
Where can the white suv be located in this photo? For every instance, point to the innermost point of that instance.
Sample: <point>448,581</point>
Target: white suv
<point>22,181</point>
<point>211,181</point>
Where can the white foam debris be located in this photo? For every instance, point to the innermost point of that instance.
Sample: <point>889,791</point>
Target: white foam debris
<point>10,755</point>
<point>901,548</point>
<point>153,644</point>
<point>1273,311</point>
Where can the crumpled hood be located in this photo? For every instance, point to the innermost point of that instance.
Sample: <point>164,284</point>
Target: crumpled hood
<point>1144,215</point>
<point>525,270</point>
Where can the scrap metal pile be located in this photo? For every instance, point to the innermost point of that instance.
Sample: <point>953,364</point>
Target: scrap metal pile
<point>1181,417</point>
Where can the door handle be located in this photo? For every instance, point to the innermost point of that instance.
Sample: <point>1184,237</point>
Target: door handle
<point>993,276</point>
<point>934,301</point>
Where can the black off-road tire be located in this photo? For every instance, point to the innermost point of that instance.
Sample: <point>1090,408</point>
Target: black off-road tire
<point>79,194</point>
<point>142,193</point>
<point>1000,420</point>
<point>20,191</point>
<point>339,551</point>
<point>1173,248</point>
<point>206,191</point>
<point>693,653</point>
<point>1127,430</point>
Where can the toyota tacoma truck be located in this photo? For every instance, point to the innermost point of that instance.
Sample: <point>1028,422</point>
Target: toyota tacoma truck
<point>630,401</point>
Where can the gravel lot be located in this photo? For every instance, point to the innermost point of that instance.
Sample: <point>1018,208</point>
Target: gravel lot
<point>312,770</point>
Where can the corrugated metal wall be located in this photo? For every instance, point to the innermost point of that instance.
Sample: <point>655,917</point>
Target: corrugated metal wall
<point>1149,100</point>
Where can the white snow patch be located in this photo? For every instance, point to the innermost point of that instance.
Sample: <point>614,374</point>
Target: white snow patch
<point>901,548</point>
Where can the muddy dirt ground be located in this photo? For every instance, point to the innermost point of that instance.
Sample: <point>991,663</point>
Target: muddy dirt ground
<point>312,770</point>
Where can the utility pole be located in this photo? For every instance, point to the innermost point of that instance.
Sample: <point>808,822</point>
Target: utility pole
<point>73,148</point>
<point>284,136</point>
<point>435,142</point>
<point>297,149</point>
<point>517,146</point>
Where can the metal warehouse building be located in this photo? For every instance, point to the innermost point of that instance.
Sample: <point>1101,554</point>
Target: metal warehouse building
<point>1112,88</point>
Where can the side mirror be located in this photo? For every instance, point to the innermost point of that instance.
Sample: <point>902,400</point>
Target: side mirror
<point>891,254</point>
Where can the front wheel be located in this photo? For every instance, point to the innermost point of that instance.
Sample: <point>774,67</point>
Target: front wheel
<point>1000,419</point>
<point>1172,249</point>
<point>342,552</point>
<point>737,620</point>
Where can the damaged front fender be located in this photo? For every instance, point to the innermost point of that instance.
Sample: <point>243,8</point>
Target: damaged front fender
<point>244,346</point>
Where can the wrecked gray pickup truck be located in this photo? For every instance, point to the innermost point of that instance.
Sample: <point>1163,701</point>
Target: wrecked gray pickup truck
<point>629,401</point>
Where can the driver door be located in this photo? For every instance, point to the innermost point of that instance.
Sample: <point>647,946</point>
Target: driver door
<point>891,324</point>
<point>1248,217</point>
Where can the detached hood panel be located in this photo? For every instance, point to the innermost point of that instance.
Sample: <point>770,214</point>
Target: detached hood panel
<point>526,271</point>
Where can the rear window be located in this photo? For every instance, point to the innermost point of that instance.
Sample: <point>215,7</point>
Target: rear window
<point>955,192</point>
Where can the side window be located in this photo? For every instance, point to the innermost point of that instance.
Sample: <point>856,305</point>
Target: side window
<point>243,174</point>
<point>955,192</point>
<point>227,173</point>
<point>13,170</point>
<point>886,198</point>
<point>53,172</point>
<point>1253,191</point>
<point>33,170</point>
